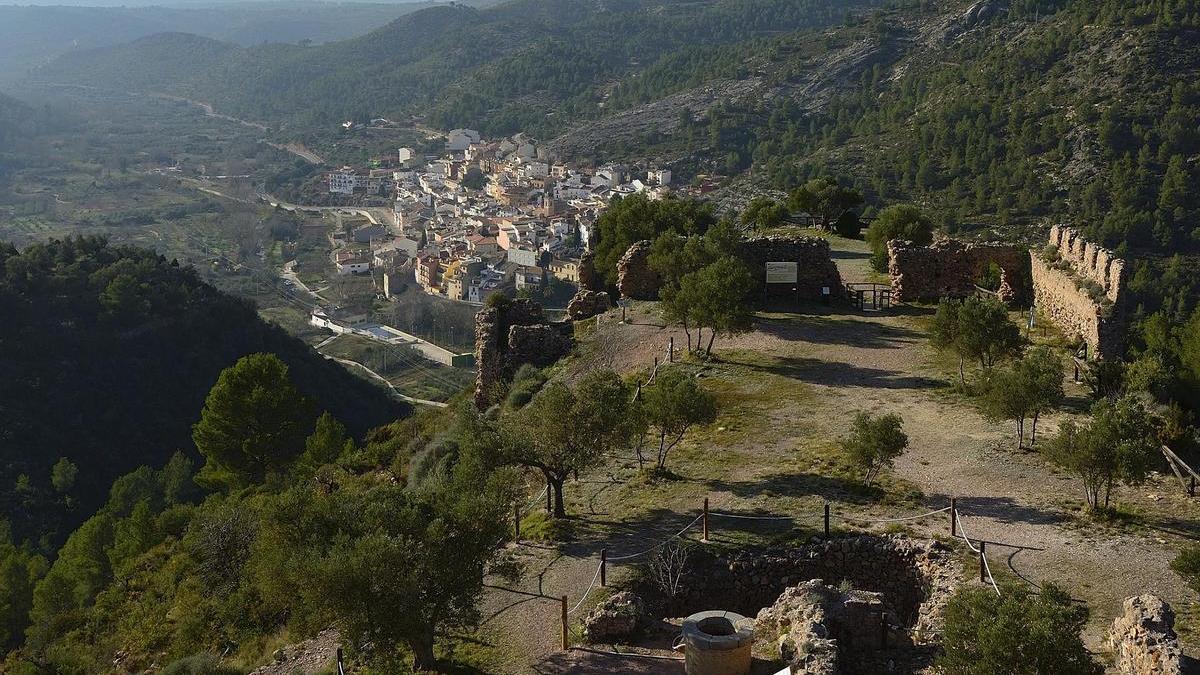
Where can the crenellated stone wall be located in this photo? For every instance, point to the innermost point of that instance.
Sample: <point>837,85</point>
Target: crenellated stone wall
<point>1062,295</point>
<point>509,336</point>
<point>948,268</point>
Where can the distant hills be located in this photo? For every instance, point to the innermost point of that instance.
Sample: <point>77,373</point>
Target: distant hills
<point>31,36</point>
<point>452,63</point>
<point>109,353</point>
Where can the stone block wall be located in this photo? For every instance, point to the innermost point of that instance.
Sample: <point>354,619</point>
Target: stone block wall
<point>512,335</point>
<point>1060,297</point>
<point>815,268</point>
<point>948,268</point>
<point>915,578</point>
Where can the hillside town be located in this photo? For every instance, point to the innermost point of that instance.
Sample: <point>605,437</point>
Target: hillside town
<point>484,217</point>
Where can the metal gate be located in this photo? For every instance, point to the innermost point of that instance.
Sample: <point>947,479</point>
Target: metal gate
<point>869,297</point>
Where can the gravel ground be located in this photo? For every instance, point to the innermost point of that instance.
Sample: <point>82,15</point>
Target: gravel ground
<point>844,362</point>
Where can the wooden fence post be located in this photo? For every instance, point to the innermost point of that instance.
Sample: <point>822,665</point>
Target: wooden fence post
<point>603,567</point>
<point>826,520</point>
<point>883,630</point>
<point>982,561</point>
<point>566,638</point>
<point>517,522</point>
<point>705,538</point>
<point>953,517</point>
<point>671,350</point>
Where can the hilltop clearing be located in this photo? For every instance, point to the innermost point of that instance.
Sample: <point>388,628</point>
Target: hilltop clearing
<point>788,390</point>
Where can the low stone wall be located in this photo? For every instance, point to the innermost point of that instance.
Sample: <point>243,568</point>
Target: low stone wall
<point>509,336</point>
<point>948,268</point>
<point>914,577</point>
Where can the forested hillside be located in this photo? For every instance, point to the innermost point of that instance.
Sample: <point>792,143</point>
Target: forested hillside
<point>456,64</point>
<point>108,354</point>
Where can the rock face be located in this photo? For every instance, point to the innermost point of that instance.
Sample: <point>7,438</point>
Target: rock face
<point>616,619</point>
<point>635,279</point>
<point>1143,639</point>
<point>587,304</point>
<point>948,268</point>
<point>810,623</point>
<point>915,579</point>
<point>1083,291</point>
<point>507,337</point>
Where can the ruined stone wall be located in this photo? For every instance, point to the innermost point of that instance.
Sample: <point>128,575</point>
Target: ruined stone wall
<point>1061,293</point>
<point>948,268</point>
<point>509,336</point>
<point>915,577</point>
<point>815,268</point>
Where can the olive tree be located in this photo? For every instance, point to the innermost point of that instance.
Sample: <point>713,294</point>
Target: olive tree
<point>669,407</point>
<point>1118,445</point>
<point>874,443</point>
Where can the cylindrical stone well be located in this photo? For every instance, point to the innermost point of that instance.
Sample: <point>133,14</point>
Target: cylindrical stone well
<point>717,643</point>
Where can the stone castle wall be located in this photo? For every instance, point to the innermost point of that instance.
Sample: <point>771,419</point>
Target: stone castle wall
<point>815,268</point>
<point>1060,292</point>
<point>510,336</point>
<point>948,268</point>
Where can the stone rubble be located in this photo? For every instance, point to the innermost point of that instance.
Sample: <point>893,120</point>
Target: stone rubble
<point>616,619</point>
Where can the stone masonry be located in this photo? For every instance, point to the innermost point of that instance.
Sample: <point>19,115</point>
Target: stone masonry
<point>811,623</point>
<point>1061,291</point>
<point>915,578</point>
<point>815,268</point>
<point>948,268</point>
<point>1143,638</point>
<point>508,336</point>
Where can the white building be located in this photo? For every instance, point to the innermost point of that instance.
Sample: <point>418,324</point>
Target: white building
<point>461,139</point>
<point>660,177</point>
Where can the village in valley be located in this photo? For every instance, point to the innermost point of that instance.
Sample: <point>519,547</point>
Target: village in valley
<point>485,217</point>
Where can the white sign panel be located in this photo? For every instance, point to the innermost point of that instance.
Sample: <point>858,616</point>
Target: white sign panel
<point>781,272</point>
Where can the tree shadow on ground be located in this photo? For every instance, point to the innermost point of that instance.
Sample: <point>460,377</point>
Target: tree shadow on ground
<point>816,371</point>
<point>801,484</point>
<point>1006,510</point>
<point>840,331</point>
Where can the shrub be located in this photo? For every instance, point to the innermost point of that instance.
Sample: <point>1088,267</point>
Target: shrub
<point>1187,565</point>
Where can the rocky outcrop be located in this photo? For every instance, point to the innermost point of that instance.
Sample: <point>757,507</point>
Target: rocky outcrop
<point>616,619</point>
<point>509,335</point>
<point>311,656</point>
<point>587,304</point>
<point>949,268</point>
<point>635,279</point>
<point>811,623</point>
<point>1143,639</point>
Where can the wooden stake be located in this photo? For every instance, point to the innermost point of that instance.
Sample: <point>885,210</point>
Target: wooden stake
<point>603,567</point>
<point>883,630</point>
<point>953,517</point>
<point>826,520</point>
<point>565,633</point>
<point>705,538</point>
<point>982,562</point>
<point>671,350</point>
<point>517,522</point>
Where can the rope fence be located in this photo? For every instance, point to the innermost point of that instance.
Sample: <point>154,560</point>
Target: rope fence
<point>599,577</point>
